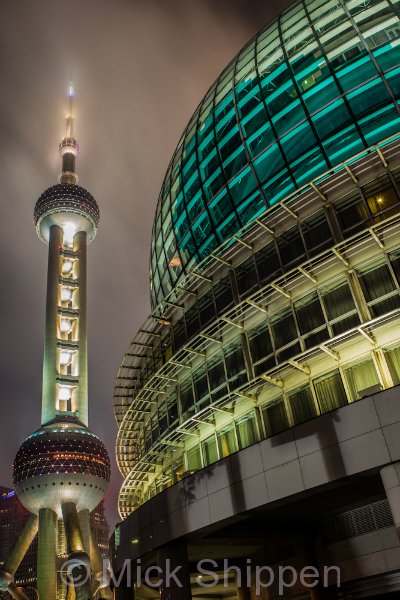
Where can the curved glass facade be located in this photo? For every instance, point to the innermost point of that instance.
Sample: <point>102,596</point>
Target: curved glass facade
<point>275,254</point>
<point>314,88</point>
<point>301,321</point>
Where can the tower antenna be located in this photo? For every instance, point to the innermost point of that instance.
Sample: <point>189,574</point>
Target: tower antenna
<point>69,149</point>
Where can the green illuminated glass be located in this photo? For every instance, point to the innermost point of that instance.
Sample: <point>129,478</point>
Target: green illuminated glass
<point>307,93</point>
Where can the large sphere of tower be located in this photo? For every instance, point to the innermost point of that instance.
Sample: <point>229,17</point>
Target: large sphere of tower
<point>61,462</point>
<point>69,206</point>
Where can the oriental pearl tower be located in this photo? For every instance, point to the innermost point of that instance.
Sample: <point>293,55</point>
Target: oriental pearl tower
<point>62,470</point>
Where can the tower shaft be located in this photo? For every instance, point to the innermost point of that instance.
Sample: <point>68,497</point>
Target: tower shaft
<point>65,381</point>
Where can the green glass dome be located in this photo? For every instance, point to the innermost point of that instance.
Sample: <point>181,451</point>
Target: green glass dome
<point>315,87</point>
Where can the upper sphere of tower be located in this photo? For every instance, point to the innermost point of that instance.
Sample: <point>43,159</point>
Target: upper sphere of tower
<point>63,204</point>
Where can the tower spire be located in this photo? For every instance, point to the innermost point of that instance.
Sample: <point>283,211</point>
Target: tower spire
<point>69,133</point>
<point>69,149</point>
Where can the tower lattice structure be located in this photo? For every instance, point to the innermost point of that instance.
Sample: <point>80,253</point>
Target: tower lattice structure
<point>62,470</point>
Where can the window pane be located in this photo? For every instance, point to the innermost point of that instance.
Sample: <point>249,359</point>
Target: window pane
<point>187,398</point>
<point>284,329</point>
<point>362,379</point>
<point>302,405</point>
<point>200,383</point>
<point>246,276</point>
<point>194,459</point>
<point>223,294</point>
<point>338,301</point>
<point>380,195</point>
<point>210,450</point>
<point>330,392</point>
<point>275,418</point>
<point>247,431</point>
<point>267,262</point>
<point>393,360</point>
<point>377,282</point>
<point>227,441</point>
<point>235,365</point>
<point>309,313</point>
<point>260,342</point>
<point>351,212</point>
<point>216,371</point>
<point>206,308</point>
<point>317,233</point>
<point>291,246</point>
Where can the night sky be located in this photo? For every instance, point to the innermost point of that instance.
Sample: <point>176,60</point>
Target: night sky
<point>140,69</point>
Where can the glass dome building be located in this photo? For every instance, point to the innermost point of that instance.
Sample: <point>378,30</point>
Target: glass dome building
<point>313,88</point>
<point>275,285</point>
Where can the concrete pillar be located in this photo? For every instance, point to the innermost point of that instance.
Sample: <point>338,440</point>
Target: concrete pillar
<point>80,572</point>
<point>168,558</point>
<point>49,393</point>
<point>80,246</point>
<point>47,555</point>
<point>391,482</point>
<point>84,524</point>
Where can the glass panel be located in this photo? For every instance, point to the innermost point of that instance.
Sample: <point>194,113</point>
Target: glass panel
<point>206,308</point>
<point>291,246</point>
<point>200,383</point>
<point>247,431</point>
<point>267,262</point>
<point>194,459</point>
<point>380,195</point>
<point>394,258</point>
<point>260,342</point>
<point>192,321</point>
<point>235,365</point>
<point>187,397</point>
<point>316,232</point>
<point>223,294</point>
<point>362,379</point>
<point>309,313</point>
<point>284,328</point>
<point>330,392</point>
<point>216,372</point>
<point>210,450</point>
<point>351,211</point>
<point>338,301</point>
<point>275,418</point>
<point>393,360</point>
<point>377,282</point>
<point>246,276</point>
<point>302,405</point>
<point>227,442</point>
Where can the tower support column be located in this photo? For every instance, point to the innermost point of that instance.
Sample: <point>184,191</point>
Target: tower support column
<point>21,546</point>
<point>80,571</point>
<point>84,524</point>
<point>47,555</point>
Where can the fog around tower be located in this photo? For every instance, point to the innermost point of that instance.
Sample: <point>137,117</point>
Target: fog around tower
<point>140,69</point>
